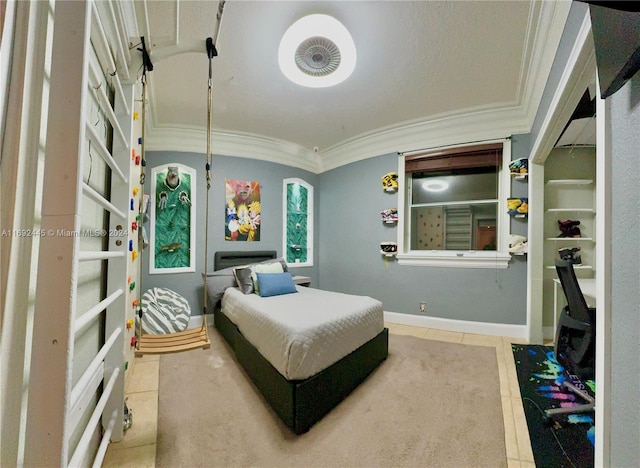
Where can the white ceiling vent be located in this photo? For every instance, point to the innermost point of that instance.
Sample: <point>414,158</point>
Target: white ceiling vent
<point>318,56</point>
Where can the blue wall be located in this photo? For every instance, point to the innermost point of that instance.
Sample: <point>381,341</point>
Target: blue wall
<point>350,261</point>
<point>270,176</point>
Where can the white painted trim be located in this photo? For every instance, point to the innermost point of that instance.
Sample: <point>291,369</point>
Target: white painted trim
<point>153,270</point>
<point>310,201</point>
<point>548,333</point>
<point>470,259</point>
<point>544,43</point>
<point>573,82</point>
<point>451,129</point>
<point>461,326</point>
<point>189,139</point>
<point>458,259</point>
<point>444,130</point>
<point>535,264</point>
<point>602,456</point>
<point>57,277</point>
<point>6,56</point>
<point>196,320</point>
<point>23,50</point>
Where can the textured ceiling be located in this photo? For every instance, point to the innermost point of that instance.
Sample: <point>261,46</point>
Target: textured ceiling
<point>417,61</point>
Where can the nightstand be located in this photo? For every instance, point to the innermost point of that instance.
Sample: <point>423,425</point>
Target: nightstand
<point>302,280</point>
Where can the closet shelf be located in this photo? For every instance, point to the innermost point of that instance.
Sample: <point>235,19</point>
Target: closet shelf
<point>575,267</point>
<point>588,239</point>
<point>570,210</point>
<point>570,182</point>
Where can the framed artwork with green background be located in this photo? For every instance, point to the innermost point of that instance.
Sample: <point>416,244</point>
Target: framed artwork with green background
<point>298,222</point>
<point>172,218</point>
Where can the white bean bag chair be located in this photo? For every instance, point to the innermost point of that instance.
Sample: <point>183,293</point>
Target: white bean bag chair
<point>164,311</point>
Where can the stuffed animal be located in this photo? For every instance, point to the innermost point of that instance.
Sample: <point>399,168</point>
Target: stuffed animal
<point>519,166</point>
<point>571,254</point>
<point>390,182</point>
<point>569,228</point>
<point>517,244</point>
<point>517,206</point>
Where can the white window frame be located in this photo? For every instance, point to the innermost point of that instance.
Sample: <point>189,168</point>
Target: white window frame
<point>493,259</point>
<point>309,187</point>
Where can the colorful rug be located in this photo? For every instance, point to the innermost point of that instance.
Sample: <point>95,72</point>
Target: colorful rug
<point>567,442</point>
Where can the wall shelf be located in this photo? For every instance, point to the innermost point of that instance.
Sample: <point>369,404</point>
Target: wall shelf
<point>573,239</point>
<point>575,267</point>
<point>570,182</point>
<point>570,210</point>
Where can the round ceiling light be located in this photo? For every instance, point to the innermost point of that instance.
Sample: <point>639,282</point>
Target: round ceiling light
<point>317,51</point>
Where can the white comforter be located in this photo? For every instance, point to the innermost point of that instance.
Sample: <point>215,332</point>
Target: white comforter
<point>302,333</point>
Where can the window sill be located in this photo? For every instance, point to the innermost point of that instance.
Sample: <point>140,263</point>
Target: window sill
<point>466,259</point>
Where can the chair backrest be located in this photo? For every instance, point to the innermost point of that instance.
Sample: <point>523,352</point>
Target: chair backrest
<point>578,308</point>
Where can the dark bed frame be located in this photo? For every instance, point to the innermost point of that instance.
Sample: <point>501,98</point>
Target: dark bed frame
<point>299,403</point>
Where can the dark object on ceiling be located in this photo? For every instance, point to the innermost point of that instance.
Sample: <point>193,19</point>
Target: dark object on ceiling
<point>624,5</point>
<point>616,36</point>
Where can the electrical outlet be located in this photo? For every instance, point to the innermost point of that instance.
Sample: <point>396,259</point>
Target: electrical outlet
<point>423,307</point>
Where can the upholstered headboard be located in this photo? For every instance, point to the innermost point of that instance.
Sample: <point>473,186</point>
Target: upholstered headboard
<point>236,258</point>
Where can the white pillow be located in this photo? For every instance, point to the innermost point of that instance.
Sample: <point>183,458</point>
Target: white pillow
<point>275,267</point>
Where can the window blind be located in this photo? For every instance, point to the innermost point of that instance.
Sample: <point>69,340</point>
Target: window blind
<point>465,157</point>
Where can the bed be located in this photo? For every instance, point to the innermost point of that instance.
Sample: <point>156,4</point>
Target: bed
<point>303,370</point>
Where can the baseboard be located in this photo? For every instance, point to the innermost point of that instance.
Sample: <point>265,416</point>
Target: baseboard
<point>461,326</point>
<point>196,320</point>
<point>548,333</point>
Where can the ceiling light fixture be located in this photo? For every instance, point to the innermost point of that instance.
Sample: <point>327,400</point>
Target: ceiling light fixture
<point>435,185</point>
<point>317,51</point>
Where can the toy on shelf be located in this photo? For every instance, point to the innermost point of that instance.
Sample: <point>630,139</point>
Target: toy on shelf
<point>571,254</point>
<point>518,245</point>
<point>390,215</point>
<point>390,182</point>
<point>569,228</point>
<point>388,248</point>
<point>519,167</point>
<point>518,207</point>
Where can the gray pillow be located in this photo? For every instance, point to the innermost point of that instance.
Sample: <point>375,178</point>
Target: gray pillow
<point>244,280</point>
<point>244,275</point>
<point>218,282</point>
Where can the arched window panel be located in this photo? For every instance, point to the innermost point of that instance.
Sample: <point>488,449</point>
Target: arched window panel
<point>297,222</point>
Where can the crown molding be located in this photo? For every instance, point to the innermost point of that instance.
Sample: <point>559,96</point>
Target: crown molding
<point>577,75</point>
<point>544,44</point>
<point>487,124</point>
<point>188,139</point>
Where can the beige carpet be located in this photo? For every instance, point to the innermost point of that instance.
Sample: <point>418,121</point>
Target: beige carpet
<point>430,404</point>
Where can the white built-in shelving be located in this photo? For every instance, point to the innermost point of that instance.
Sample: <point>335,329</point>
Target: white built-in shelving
<point>569,194</point>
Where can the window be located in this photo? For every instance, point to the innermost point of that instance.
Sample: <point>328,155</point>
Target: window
<point>297,203</point>
<point>452,206</point>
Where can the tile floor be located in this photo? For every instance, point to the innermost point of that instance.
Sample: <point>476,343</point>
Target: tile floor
<point>138,448</point>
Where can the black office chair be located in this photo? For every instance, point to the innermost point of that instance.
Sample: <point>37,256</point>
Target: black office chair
<point>575,344</point>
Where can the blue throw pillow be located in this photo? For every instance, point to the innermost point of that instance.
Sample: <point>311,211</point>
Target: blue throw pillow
<point>275,284</point>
